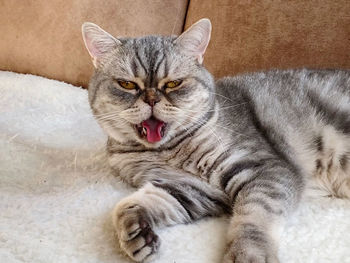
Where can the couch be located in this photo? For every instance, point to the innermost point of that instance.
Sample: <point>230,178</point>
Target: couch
<point>43,37</point>
<point>56,193</point>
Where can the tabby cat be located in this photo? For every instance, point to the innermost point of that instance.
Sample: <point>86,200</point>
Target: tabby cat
<point>245,145</point>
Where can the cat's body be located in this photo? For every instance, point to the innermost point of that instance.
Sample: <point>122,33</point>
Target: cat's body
<point>246,146</point>
<point>310,130</point>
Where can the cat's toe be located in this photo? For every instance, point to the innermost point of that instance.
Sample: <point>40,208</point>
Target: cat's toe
<point>143,246</point>
<point>136,236</point>
<point>246,253</point>
<point>245,258</point>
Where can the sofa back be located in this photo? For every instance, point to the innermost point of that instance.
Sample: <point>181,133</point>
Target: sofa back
<point>43,37</point>
<point>252,35</point>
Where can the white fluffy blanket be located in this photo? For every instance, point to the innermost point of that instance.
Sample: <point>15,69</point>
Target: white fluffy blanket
<point>56,195</point>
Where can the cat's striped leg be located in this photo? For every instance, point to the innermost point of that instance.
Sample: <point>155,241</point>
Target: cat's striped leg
<point>263,195</point>
<point>163,202</point>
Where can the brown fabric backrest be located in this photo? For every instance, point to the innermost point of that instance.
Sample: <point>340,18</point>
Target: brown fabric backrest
<point>43,37</point>
<point>263,34</point>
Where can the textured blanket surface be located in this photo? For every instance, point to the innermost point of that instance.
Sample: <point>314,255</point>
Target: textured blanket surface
<point>56,193</point>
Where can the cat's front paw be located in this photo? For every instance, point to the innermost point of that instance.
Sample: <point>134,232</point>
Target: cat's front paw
<point>250,245</point>
<point>134,231</point>
<point>249,253</point>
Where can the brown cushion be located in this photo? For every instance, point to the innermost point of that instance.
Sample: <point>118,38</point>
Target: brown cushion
<point>264,34</point>
<point>44,37</point>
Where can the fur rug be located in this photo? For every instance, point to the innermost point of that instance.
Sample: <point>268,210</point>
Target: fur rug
<point>56,194</point>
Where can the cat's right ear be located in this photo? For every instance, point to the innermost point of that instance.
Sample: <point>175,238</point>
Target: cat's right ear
<point>98,42</point>
<point>195,40</point>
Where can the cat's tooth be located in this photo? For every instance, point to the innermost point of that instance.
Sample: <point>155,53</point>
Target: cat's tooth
<point>144,131</point>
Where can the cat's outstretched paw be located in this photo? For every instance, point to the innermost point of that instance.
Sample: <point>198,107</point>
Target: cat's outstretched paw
<point>245,250</point>
<point>134,231</point>
<point>247,255</point>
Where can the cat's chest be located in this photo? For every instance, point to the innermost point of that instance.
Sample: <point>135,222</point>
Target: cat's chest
<point>202,156</point>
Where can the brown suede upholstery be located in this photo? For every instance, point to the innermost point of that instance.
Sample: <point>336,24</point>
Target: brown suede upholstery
<point>262,34</point>
<point>44,37</point>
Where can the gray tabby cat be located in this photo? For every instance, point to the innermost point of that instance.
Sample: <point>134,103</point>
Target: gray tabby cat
<point>244,145</point>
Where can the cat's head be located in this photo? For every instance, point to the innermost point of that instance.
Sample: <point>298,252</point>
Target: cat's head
<point>149,89</point>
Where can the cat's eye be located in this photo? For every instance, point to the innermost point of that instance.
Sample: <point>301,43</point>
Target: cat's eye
<point>173,84</point>
<point>127,84</point>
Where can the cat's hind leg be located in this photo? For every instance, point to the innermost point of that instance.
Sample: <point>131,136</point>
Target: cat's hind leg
<point>263,196</point>
<point>162,202</point>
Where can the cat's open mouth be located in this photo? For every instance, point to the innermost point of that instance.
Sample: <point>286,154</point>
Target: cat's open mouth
<point>152,129</point>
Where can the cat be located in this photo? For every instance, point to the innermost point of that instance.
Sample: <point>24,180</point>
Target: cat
<point>244,146</point>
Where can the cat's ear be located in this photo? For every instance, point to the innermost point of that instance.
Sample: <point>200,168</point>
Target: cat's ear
<point>98,42</point>
<point>195,40</point>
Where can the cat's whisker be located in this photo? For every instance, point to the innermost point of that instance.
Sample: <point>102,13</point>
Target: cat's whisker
<point>221,127</point>
<point>215,135</point>
<point>216,94</point>
<point>210,129</point>
<point>114,111</point>
<point>215,110</point>
<point>109,117</point>
<point>107,113</point>
<point>180,124</point>
<point>121,122</point>
<point>173,119</point>
<point>115,115</point>
<point>200,123</point>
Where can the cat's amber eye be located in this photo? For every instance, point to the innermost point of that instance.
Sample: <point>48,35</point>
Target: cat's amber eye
<point>127,84</point>
<point>173,84</point>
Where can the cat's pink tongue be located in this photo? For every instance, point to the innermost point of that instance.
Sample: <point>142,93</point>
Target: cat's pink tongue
<point>154,129</point>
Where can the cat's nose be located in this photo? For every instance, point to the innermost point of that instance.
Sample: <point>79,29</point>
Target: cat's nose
<point>151,96</point>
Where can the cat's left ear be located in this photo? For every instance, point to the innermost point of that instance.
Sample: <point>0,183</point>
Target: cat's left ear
<point>98,43</point>
<point>195,40</point>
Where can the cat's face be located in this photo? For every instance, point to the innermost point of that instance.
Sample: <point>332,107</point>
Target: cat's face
<point>149,89</point>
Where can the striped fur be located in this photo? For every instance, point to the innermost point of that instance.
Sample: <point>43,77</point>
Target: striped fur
<point>246,145</point>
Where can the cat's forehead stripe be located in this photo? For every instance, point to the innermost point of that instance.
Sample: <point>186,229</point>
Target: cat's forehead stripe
<point>150,54</point>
